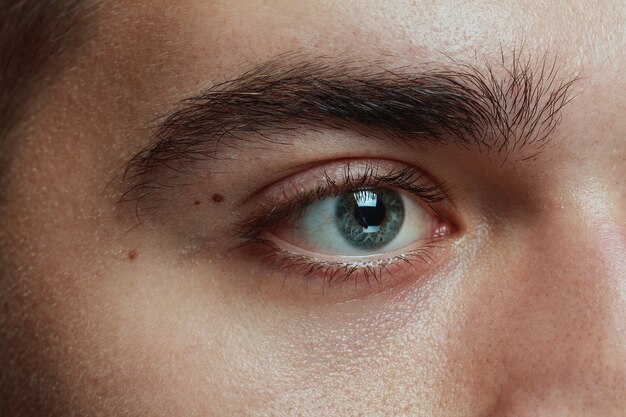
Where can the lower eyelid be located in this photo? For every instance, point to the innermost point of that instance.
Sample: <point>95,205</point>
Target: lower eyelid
<point>365,277</point>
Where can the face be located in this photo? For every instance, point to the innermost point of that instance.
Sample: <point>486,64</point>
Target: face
<point>381,208</point>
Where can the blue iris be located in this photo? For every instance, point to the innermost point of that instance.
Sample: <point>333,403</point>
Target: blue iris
<point>369,218</point>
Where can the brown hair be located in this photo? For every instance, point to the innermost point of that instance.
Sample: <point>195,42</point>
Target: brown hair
<point>32,34</point>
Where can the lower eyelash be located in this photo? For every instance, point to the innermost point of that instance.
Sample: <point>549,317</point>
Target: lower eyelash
<point>334,274</point>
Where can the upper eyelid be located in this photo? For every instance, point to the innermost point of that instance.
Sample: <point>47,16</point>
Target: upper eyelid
<point>357,171</point>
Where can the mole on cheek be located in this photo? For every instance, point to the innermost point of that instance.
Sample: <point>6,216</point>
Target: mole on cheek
<point>132,255</point>
<point>218,198</point>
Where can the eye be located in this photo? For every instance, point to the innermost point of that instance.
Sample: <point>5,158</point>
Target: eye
<point>360,222</point>
<point>364,222</point>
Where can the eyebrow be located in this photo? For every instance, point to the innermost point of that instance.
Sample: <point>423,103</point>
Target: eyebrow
<point>501,109</point>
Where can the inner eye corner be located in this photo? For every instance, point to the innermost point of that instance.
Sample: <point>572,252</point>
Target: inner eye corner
<point>453,224</point>
<point>446,212</point>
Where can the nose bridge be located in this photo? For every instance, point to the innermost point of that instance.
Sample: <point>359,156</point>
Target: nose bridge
<point>564,339</point>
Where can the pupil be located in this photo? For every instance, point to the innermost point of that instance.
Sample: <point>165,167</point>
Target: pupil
<point>369,210</point>
<point>369,219</point>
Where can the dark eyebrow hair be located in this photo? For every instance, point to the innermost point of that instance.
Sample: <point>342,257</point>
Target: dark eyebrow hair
<point>497,109</point>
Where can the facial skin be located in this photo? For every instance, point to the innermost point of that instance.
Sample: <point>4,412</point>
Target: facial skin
<point>520,312</point>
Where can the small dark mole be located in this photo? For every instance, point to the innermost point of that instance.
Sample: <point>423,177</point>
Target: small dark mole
<point>197,202</point>
<point>218,198</point>
<point>132,255</point>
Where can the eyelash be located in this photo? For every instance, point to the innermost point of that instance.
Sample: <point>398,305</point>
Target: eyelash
<point>337,274</point>
<point>272,214</point>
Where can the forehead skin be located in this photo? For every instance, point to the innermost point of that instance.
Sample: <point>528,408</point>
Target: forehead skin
<point>534,328</point>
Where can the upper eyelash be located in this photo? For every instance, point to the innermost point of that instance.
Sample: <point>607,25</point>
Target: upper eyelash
<point>410,179</point>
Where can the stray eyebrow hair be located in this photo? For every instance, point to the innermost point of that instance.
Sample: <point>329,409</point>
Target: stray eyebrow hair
<point>497,109</point>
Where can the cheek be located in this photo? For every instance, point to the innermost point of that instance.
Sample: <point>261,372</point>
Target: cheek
<point>191,340</point>
<point>137,339</point>
<point>541,318</point>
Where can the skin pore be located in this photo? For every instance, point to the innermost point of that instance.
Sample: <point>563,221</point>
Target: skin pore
<point>121,302</point>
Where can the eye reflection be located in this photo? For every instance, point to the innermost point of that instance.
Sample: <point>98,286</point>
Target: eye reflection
<point>369,219</point>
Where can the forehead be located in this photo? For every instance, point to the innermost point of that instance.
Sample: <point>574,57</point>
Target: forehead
<point>407,29</point>
<point>167,51</point>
